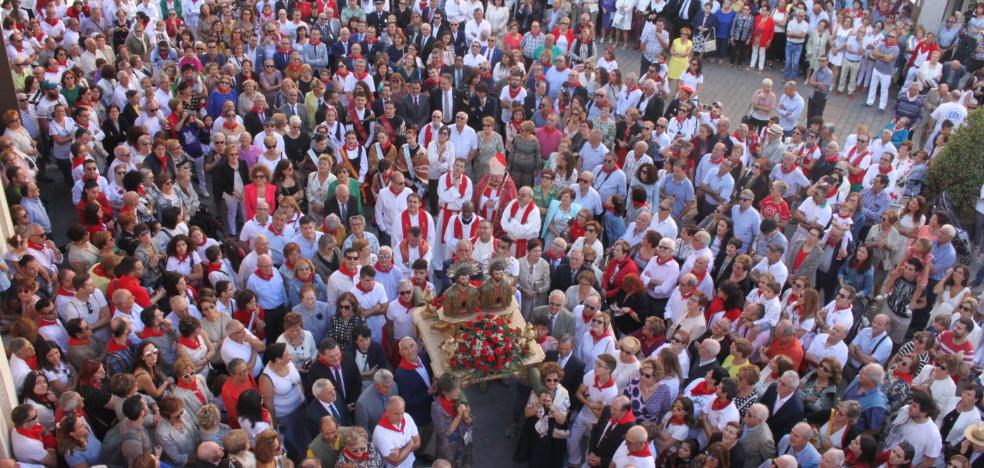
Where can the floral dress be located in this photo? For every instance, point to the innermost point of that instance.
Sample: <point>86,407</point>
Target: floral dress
<point>487,149</point>
<point>651,409</point>
<point>826,398</point>
<point>374,460</point>
<point>607,129</point>
<point>743,403</point>
<point>525,162</point>
<point>452,446</point>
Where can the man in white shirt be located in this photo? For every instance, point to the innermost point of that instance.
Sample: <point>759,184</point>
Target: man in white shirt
<point>915,425</point>
<point>663,221</point>
<point>772,263</point>
<point>390,204</point>
<point>463,138</point>
<point>872,344</point>
<point>609,178</point>
<point>789,108</point>
<point>661,273</point>
<point>414,216</point>
<point>241,344</point>
<point>453,190</point>
<point>828,345</point>
<point>372,300</point>
<point>126,307</point>
<point>593,153</point>
<point>396,435</point>
<point>89,304</point>
<point>257,225</point>
<point>586,195</point>
<point>477,28</point>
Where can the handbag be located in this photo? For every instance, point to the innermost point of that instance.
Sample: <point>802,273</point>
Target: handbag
<point>704,43</point>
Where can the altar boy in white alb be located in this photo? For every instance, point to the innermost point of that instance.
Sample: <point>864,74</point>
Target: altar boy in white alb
<point>396,435</point>
<point>521,220</point>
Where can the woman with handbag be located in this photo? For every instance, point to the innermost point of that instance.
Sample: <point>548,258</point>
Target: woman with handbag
<point>542,439</point>
<point>705,30</point>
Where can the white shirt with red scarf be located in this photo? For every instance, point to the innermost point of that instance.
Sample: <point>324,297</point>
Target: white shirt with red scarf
<point>522,223</point>
<point>457,230</point>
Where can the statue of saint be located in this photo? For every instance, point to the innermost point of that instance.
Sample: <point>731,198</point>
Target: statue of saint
<point>461,299</point>
<point>496,293</point>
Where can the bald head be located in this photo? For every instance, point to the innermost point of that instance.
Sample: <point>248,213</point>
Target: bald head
<point>210,452</point>
<point>636,434</point>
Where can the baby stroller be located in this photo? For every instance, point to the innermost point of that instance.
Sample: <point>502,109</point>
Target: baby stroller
<point>961,242</point>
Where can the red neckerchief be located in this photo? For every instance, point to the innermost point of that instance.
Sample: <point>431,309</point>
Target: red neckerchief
<point>836,307</point>
<point>700,277</point>
<point>407,304</point>
<point>52,20</point>
<point>189,342</point>
<point>906,376</point>
<point>627,418</point>
<point>421,223</point>
<point>361,76</point>
<point>884,171</point>
<point>515,94</point>
<point>405,364</point>
<point>663,262</point>
<point>39,248</point>
<point>181,258</point>
<point>702,389</point>
<point>358,458</point>
<point>602,386</point>
<point>364,290</point>
<point>230,124</point>
<point>211,267</point>
<point>193,386</point>
<point>542,339</point>
<point>678,421</point>
<point>637,204</point>
<point>163,161</point>
<point>32,362</point>
<point>719,404</point>
<point>787,171</point>
<point>380,268</point>
<point>98,270</point>
<point>46,323</point>
<point>150,332</point>
<point>113,346</point>
<point>553,256</point>
<point>609,171</point>
<point>78,342</point>
<point>385,422</point>
<point>598,337</point>
<point>343,75</point>
<point>448,405</point>
<point>61,290</point>
<point>645,453</point>
<point>350,274</point>
<point>32,433</point>
<point>263,276</point>
<point>275,231</point>
<point>315,42</point>
<point>585,317</point>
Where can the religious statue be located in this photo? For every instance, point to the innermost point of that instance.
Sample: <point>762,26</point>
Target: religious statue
<point>496,293</point>
<point>461,299</point>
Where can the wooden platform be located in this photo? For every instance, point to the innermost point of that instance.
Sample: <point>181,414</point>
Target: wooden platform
<point>432,340</point>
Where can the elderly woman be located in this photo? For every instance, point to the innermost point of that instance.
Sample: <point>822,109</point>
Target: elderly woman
<point>559,214</point>
<point>357,450</point>
<point>546,411</point>
<point>314,314</point>
<point>210,425</point>
<point>268,451</point>
<point>452,422</point>
<point>596,340</point>
<point>627,368</point>
<point>190,386</point>
<point>839,429</point>
<point>237,445</point>
<point>176,432</point>
<point>651,336</point>
<point>886,246</point>
<point>650,397</point>
<point>259,189</point>
<point>747,395</point>
<point>585,288</point>
<point>819,387</point>
<point>300,342</point>
<point>304,275</point>
<point>631,306</point>
<point>525,161</point>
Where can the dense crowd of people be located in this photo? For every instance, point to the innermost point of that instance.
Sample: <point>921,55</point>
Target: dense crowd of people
<point>264,192</point>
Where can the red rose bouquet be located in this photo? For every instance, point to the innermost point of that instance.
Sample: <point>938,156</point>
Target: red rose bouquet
<point>487,346</point>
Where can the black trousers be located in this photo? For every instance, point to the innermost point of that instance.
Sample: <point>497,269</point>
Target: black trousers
<point>815,106</point>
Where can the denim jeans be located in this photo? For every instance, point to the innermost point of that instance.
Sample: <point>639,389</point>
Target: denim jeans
<point>793,53</point>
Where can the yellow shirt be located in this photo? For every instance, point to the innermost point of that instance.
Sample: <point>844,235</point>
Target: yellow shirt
<point>732,368</point>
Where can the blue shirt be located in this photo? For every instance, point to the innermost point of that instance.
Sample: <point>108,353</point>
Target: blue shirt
<point>944,256</point>
<point>746,225</point>
<point>873,417</point>
<point>270,294</point>
<point>807,457</point>
<point>682,192</point>
<point>873,205</point>
<point>878,347</point>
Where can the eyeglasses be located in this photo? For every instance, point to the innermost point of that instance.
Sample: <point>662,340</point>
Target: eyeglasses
<point>344,307</point>
<point>582,181</point>
<point>842,296</point>
<point>551,380</point>
<point>354,259</point>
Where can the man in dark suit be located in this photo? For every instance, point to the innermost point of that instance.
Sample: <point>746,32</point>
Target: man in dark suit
<point>339,50</point>
<point>424,40</point>
<point>377,18</point>
<point>446,99</point>
<point>565,275</point>
<point>561,320</point>
<point>609,433</point>
<point>492,53</point>
<point>415,382</point>
<point>343,205</point>
<point>532,103</point>
<point>323,404</point>
<point>256,119</point>
<point>457,38</point>
<point>784,403</point>
<point>415,107</point>
<point>481,106</point>
<point>953,74</point>
<point>683,13</point>
<point>459,72</point>
<point>573,367</point>
<point>651,103</point>
<point>705,360</point>
<point>341,370</point>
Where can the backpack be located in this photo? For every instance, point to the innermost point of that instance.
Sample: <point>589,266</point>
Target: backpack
<point>112,445</point>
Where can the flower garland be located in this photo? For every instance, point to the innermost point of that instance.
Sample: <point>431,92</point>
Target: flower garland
<point>488,346</point>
